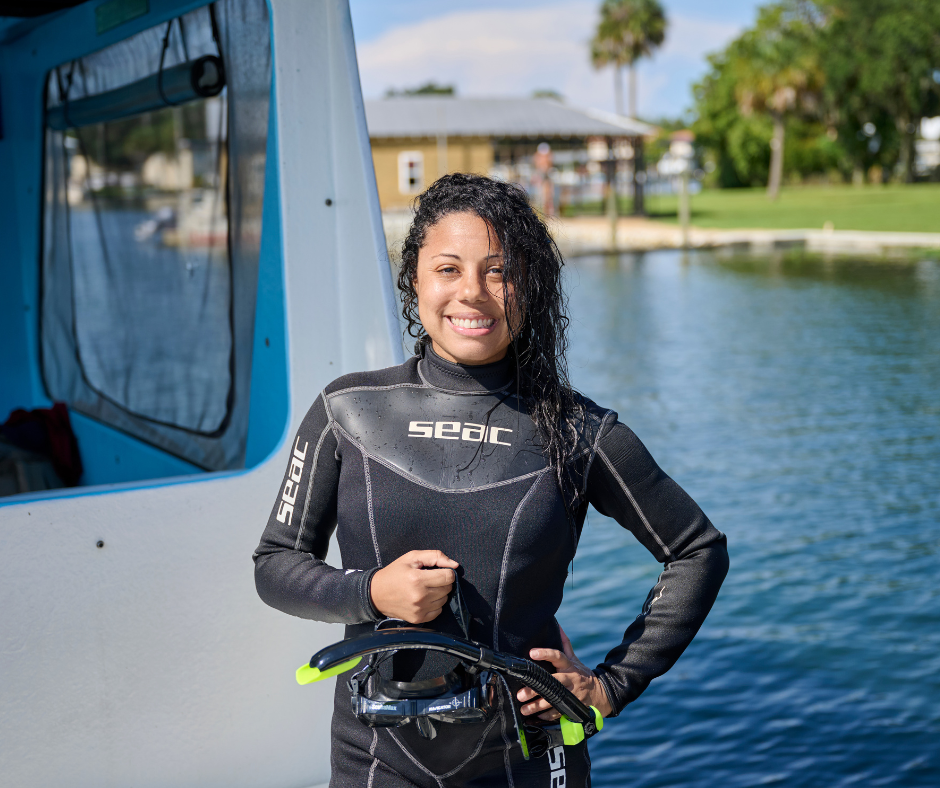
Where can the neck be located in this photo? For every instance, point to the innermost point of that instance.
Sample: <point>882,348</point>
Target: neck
<point>472,378</point>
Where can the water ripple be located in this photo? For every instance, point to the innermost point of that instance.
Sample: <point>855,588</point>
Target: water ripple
<point>797,402</point>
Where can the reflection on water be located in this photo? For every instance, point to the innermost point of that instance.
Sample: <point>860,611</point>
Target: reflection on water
<point>797,401</point>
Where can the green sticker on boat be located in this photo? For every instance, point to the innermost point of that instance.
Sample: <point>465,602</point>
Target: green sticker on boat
<point>112,13</point>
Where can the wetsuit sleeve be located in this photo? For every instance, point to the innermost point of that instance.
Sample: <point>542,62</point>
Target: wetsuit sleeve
<point>290,571</point>
<point>625,483</point>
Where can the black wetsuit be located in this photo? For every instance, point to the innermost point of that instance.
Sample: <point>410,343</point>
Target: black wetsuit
<point>431,455</point>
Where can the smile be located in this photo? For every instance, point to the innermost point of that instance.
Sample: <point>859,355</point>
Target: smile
<point>476,326</point>
<point>481,322</point>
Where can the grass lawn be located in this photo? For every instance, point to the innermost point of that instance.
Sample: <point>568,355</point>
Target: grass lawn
<point>896,208</point>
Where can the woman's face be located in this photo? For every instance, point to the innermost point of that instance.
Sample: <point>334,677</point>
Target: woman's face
<point>459,282</point>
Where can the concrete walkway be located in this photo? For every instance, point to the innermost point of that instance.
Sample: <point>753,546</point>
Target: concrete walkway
<point>591,234</point>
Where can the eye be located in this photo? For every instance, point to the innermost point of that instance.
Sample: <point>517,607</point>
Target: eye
<point>495,270</point>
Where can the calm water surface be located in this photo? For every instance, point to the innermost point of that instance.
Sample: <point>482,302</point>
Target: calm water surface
<point>799,404</point>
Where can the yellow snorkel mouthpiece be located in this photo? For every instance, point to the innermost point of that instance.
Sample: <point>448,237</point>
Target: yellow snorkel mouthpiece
<point>307,675</point>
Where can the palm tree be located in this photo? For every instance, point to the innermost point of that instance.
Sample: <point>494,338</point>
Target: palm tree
<point>627,31</point>
<point>778,73</point>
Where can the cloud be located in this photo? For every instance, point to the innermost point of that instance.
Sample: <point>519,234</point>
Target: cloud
<point>512,52</point>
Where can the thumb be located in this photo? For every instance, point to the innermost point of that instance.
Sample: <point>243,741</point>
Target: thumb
<point>566,644</point>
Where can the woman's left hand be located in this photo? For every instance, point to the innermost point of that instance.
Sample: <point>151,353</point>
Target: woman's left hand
<point>571,672</point>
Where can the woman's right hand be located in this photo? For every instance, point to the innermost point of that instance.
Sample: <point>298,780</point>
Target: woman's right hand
<point>414,587</point>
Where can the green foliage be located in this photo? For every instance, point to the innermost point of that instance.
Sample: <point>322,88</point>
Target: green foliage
<point>880,57</point>
<point>123,145</point>
<point>736,145</point>
<point>427,89</point>
<point>628,30</point>
<point>547,93</point>
<point>853,78</point>
<point>776,64</point>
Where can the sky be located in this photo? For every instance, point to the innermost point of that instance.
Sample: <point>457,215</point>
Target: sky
<point>512,47</point>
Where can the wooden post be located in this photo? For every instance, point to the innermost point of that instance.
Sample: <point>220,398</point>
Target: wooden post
<point>442,168</point>
<point>611,167</point>
<point>684,206</point>
<point>639,177</point>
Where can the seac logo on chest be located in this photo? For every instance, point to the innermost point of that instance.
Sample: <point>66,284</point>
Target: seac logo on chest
<point>455,430</point>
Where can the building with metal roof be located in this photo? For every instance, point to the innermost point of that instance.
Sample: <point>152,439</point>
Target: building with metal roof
<point>416,139</point>
<point>430,116</point>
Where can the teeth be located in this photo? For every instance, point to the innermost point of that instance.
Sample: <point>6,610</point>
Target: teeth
<point>474,323</point>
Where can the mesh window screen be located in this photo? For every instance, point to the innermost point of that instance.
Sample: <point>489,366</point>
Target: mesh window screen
<point>153,199</point>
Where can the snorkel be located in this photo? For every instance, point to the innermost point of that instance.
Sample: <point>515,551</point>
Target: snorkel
<point>577,723</point>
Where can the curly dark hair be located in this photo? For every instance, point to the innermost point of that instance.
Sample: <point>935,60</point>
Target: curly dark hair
<point>532,268</point>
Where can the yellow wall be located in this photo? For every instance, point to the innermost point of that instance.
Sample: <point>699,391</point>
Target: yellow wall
<point>464,154</point>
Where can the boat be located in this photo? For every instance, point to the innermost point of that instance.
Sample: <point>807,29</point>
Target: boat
<point>134,649</point>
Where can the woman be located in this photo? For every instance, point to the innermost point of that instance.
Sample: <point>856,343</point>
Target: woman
<point>476,459</point>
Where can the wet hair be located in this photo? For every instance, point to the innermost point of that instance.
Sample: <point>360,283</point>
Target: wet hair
<point>532,268</point>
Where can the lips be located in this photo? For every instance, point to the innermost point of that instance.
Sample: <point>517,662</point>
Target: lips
<point>472,326</point>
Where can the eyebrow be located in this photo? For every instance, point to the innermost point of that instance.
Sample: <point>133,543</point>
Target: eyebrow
<point>453,256</point>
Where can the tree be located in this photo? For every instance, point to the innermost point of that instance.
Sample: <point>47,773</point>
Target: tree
<point>736,145</point>
<point>627,31</point>
<point>777,73</point>
<point>881,60</point>
<point>427,89</point>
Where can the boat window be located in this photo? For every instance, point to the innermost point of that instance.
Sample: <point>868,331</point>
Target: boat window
<point>155,160</point>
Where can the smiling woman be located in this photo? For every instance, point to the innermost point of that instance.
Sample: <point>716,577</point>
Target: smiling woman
<point>459,285</point>
<point>458,484</point>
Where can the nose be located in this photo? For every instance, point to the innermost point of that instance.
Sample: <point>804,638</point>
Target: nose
<point>473,287</point>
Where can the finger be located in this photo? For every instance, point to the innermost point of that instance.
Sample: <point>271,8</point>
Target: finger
<point>430,616</point>
<point>557,658</point>
<point>432,558</point>
<point>550,716</point>
<point>526,693</point>
<point>437,578</point>
<point>566,644</point>
<point>437,601</point>
<point>536,707</point>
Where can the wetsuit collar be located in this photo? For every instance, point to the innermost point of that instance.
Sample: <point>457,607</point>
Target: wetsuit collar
<point>481,378</point>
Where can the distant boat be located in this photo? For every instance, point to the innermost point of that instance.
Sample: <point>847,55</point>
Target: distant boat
<point>163,219</point>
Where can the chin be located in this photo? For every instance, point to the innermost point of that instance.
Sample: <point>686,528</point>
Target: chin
<point>474,354</point>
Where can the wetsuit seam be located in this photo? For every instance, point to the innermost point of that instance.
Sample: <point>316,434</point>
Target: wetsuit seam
<point>351,389</point>
<point>594,450</point>
<point>636,506</point>
<point>502,389</point>
<point>505,563</point>
<point>331,420</point>
<point>506,761</point>
<point>375,761</point>
<point>452,772</point>
<point>375,540</point>
<point>326,406</point>
<point>313,473</point>
<point>427,485</point>
<point>577,456</point>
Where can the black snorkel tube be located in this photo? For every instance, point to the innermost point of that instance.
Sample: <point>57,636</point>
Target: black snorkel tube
<point>578,721</point>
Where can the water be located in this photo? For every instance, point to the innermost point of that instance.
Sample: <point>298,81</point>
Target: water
<point>798,404</point>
